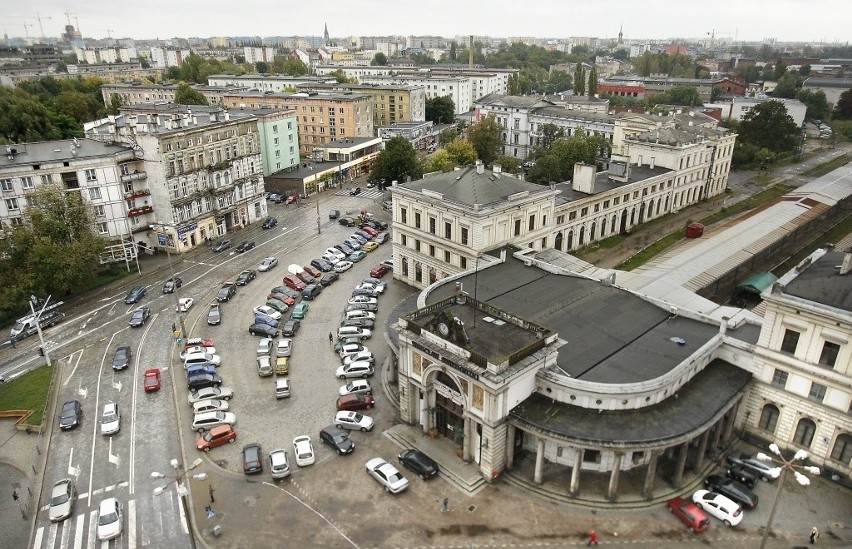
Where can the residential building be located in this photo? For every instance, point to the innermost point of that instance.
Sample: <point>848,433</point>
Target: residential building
<point>662,84</point>
<point>136,93</point>
<point>322,117</point>
<point>259,55</point>
<point>279,139</point>
<point>264,83</point>
<point>96,56</point>
<point>204,171</point>
<point>457,88</point>
<point>737,108</point>
<point>165,57</point>
<point>391,104</point>
<point>421,135</point>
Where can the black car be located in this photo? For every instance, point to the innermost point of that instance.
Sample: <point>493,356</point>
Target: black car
<point>226,292</point>
<point>365,292</point>
<point>252,459</point>
<point>311,292</point>
<point>322,265</point>
<point>135,294</point>
<point>368,323</point>
<point>275,197</point>
<point>246,276</point>
<point>741,474</point>
<point>263,330</point>
<point>221,245</point>
<point>766,471</point>
<point>354,192</point>
<point>376,224</point>
<point>735,490</point>
<point>121,358</point>
<point>71,416</point>
<point>337,439</point>
<point>346,221</point>
<point>290,328</point>
<point>202,381</point>
<point>333,214</point>
<point>244,246</point>
<point>420,463</point>
<point>214,315</point>
<point>172,284</point>
<point>371,307</point>
<point>269,223</point>
<point>328,279</point>
<point>139,316</point>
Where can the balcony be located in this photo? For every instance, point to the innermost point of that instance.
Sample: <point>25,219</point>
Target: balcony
<point>141,210</point>
<point>135,176</point>
<point>137,194</point>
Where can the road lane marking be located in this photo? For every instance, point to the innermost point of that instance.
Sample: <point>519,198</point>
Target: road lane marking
<point>39,535</point>
<point>78,532</point>
<point>93,528</point>
<point>97,408</point>
<point>76,363</point>
<point>66,531</point>
<point>182,515</point>
<point>51,534</point>
<point>131,524</point>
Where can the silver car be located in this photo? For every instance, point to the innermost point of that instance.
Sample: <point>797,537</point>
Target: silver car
<point>264,366</point>
<point>284,347</point>
<point>62,498</point>
<point>202,422</point>
<point>264,346</point>
<point>279,465</point>
<point>111,419</point>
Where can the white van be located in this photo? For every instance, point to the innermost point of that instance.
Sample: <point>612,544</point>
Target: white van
<point>354,331</point>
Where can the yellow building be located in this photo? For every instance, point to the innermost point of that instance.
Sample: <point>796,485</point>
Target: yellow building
<point>391,103</point>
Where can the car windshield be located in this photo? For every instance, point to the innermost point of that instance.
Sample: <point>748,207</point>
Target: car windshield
<point>60,499</point>
<point>109,418</point>
<point>339,439</point>
<point>107,518</point>
<point>68,411</point>
<point>357,417</point>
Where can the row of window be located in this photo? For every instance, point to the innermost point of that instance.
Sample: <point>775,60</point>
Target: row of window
<point>827,356</point>
<point>448,226</point>
<point>199,140</point>
<point>803,436</point>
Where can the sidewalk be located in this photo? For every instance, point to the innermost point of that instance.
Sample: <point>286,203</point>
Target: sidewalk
<point>21,468</point>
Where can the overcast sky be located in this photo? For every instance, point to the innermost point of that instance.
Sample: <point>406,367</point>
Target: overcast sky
<point>786,20</point>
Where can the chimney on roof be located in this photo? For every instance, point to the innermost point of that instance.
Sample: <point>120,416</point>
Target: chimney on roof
<point>584,178</point>
<point>470,53</point>
<point>497,169</point>
<point>480,167</point>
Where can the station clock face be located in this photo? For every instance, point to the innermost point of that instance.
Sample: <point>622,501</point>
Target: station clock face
<point>444,329</point>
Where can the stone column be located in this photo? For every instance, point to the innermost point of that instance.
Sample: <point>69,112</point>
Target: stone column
<point>702,448</point>
<point>575,471</point>
<point>650,475</point>
<point>466,440</point>
<point>681,462</point>
<point>510,446</point>
<point>613,477</point>
<point>539,460</point>
<point>717,435</point>
<point>730,419</point>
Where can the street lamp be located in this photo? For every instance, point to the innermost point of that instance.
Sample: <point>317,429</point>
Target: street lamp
<point>37,317</point>
<point>785,465</point>
<point>178,477</point>
<point>163,226</point>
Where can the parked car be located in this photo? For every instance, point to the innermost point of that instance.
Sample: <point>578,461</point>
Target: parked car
<point>310,293</point>
<point>121,357</point>
<point>378,284</point>
<point>284,347</point>
<point>264,366</point>
<point>359,314</point>
<point>388,264</point>
<point>313,271</point>
<point>371,232</point>
<point>369,307</point>
<point>303,451</point>
<point>293,199</point>
<point>343,266</point>
<point>226,292</point>
<point>269,223</point>
<point>246,276</point>
<point>200,382</point>
<point>378,271</point>
<point>328,279</point>
<point>196,349</point>
<point>333,214</point>
<point>353,243</point>
<point>71,415</point>
<point>215,437</point>
<point>355,401</point>
<point>294,282</point>
<point>221,393</point>
<point>351,348</point>
<point>110,419</point>
<point>260,318</point>
<point>387,475</point>
<point>207,420</point>
<point>689,513</point>
<point>221,246</point>
<point>356,386</point>
<point>184,304</point>
<point>63,496</point>
<point>172,284</point>
<point>214,315</point>
<point>322,265</point>
<point>282,388</point>
<point>355,191</point>
<point>204,356</point>
<point>357,256</point>
<point>244,246</point>
<point>278,305</point>
<point>300,311</point>
<point>367,236</point>
<point>267,263</point>
<point>741,474</point>
<point>366,291</point>
<point>733,489</point>
<point>252,461</point>
<point>354,331</point>
<point>763,470</point>
<point>263,330</point>
<point>268,311</point>
<point>337,439</point>
<point>719,506</point>
<point>210,405</point>
<point>199,342</point>
<point>200,369</point>
<point>279,464</point>
<point>382,237</point>
<point>370,246</point>
<point>422,465</point>
<point>139,317</point>
<point>360,356</point>
<point>353,421</point>
<point>387,205</point>
<point>151,380</point>
<point>290,294</point>
<point>345,248</point>
<point>290,328</point>
<point>134,295</point>
<point>346,221</point>
<point>335,253</point>
<point>355,369</point>
<point>109,519</point>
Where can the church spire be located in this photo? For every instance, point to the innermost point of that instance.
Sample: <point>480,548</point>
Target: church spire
<point>325,36</point>
<point>620,34</point>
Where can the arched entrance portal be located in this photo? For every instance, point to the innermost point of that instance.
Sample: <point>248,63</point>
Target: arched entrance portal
<point>449,411</point>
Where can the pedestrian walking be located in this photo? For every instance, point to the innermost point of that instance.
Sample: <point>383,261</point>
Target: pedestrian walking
<point>13,341</point>
<point>330,338</point>
<point>814,535</point>
<point>445,507</point>
<point>593,538</point>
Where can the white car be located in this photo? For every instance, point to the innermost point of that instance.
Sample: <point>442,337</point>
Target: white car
<point>351,349</point>
<point>719,506</point>
<point>210,405</point>
<point>221,393</point>
<point>197,349</point>
<point>264,366</point>
<point>203,422</point>
<point>343,266</point>
<point>336,253</point>
<point>333,259</point>
<point>379,289</point>
<point>184,304</point>
<point>360,386</point>
<point>268,311</point>
<point>356,369</point>
<point>363,356</point>
<point>353,420</point>
<point>111,419</point>
<point>284,347</point>
<point>279,465</point>
<point>387,475</point>
<point>62,499</point>
<point>359,314</point>
<point>267,263</point>
<point>201,358</point>
<point>109,519</point>
<point>363,299</point>
<point>264,346</point>
<point>303,451</point>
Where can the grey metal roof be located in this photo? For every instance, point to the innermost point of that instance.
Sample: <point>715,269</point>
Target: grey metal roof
<point>694,406</point>
<point>574,114</point>
<point>821,282</point>
<point>603,183</point>
<point>469,187</point>
<point>58,151</point>
<point>513,101</point>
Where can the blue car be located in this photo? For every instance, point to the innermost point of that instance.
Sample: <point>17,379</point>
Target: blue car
<point>200,369</point>
<point>357,256</point>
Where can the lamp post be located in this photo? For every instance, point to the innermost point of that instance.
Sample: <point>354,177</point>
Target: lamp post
<point>37,317</point>
<point>785,465</point>
<point>178,477</point>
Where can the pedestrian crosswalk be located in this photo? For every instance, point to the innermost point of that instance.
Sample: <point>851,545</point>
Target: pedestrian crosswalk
<point>365,193</point>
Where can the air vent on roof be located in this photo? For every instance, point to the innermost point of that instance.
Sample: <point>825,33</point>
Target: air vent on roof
<point>488,319</point>
<point>499,322</point>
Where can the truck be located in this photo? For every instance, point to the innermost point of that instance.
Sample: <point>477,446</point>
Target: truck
<point>26,326</point>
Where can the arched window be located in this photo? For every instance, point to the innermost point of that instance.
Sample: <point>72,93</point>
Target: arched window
<point>558,241</point>
<point>570,245</point>
<point>582,238</point>
<point>805,432</point>
<point>592,231</point>
<point>769,418</point>
<point>842,450</point>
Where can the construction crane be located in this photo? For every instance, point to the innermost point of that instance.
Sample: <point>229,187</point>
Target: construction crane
<point>40,27</point>
<point>27,32</point>
<point>712,35</point>
<point>30,18</point>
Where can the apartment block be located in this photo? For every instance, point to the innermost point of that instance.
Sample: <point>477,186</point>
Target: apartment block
<point>391,104</point>
<point>136,93</point>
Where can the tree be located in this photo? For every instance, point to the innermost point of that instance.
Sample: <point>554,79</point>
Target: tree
<point>514,85</point>
<point>446,136</point>
<point>579,80</point>
<point>294,67</point>
<point>805,70</point>
<point>262,67</point>
<point>780,70</point>
<point>453,51</point>
<point>396,162</point>
<point>379,59</point>
<point>461,152</point>
<point>549,134</point>
<point>440,110</point>
<point>115,102</point>
<point>786,86</point>
<point>54,252</point>
<point>486,138</point>
<point>843,108</point>
<point>185,95</point>
<point>593,82</point>
<point>557,164</point>
<point>24,118</point>
<point>439,161</point>
<point>508,164</point>
<point>768,126</point>
<point>145,62</point>
<point>558,81</point>
<point>683,95</point>
<point>341,77</point>
<point>816,102</point>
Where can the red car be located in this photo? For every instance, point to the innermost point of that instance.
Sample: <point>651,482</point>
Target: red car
<point>378,271</point>
<point>355,401</point>
<point>217,436</point>
<point>294,282</point>
<point>151,381</point>
<point>689,513</point>
<point>314,272</point>
<point>292,199</point>
<point>198,342</point>
<point>369,230</point>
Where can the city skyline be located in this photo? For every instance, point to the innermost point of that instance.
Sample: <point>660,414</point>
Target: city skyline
<point>784,20</point>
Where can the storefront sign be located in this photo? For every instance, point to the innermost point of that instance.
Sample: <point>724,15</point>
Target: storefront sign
<point>182,231</point>
<point>449,393</point>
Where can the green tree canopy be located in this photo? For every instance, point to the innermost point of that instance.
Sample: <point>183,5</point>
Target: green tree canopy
<point>676,65</point>
<point>786,86</point>
<point>262,67</point>
<point>486,139</point>
<point>768,126</point>
<point>460,152</point>
<point>579,80</point>
<point>294,67</point>
<point>549,134</point>
<point>508,164</point>
<point>558,81</point>
<point>593,82</point>
<point>439,161</point>
<point>816,102</point>
<point>440,110</point>
<point>843,108</point>
<point>185,95</point>
<point>447,136</point>
<point>379,59</point>
<point>557,164</point>
<point>341,77</point>
<point>396,162</point>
